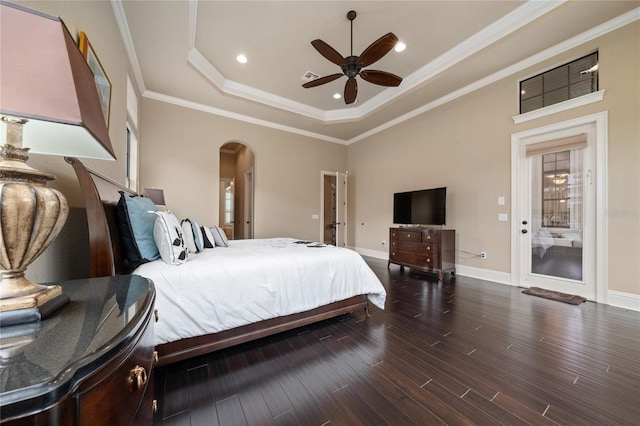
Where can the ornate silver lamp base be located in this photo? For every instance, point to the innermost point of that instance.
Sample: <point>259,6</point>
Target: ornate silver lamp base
<point>31,217</point>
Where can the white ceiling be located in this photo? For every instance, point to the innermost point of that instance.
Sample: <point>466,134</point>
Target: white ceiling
<point>184,52</point>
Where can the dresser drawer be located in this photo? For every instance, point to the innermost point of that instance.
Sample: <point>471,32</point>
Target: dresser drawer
<point>115,398</point>
<point>427,248</point>
<point>409,236</point>
<point>428,260</point>
<point>430,237</point>
<point>402,256</point>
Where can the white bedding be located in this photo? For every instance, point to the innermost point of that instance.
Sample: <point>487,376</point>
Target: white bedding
<point>253,280</point>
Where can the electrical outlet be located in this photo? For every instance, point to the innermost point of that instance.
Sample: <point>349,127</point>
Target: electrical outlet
<point>483,254</point>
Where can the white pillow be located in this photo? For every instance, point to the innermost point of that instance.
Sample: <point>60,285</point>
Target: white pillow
<point>219,236</point>
<point>207,238</point>
<point>192,235</point>
<point>167,234</point>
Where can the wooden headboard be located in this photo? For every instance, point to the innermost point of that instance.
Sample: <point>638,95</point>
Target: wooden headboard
<point>106,254</point>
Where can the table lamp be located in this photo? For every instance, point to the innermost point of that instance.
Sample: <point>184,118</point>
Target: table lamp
<point>49,104</point>
<point>155,195</point>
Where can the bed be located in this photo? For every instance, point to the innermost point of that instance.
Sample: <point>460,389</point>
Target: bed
<point>191,327</point>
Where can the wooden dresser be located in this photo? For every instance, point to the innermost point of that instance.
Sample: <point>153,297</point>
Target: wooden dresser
<point>427,249</point>
<point>90,363</point>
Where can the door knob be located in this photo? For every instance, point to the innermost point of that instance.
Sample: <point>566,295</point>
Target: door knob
<point>524,231</point>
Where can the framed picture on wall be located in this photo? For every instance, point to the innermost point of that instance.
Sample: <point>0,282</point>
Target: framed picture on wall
<point>102,81</point>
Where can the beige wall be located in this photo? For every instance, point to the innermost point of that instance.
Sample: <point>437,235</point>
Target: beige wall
<point>465,146</point>
<point>287,167</point>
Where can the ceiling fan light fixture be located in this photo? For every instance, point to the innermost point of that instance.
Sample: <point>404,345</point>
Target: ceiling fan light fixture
<point>352,65</point>
<point>400,47</point>
<point>337,96</point>
<point>241,58</point>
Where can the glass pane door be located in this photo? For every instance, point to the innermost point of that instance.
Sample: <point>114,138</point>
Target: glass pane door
<point>557,212</point>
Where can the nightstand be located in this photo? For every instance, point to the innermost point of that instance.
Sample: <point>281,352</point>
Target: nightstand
<point>89,363</point>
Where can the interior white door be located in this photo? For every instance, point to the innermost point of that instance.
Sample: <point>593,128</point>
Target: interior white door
<point>248,204</point>
<point>341,209</point>
<point>333,208</point>
<point>556,220</point>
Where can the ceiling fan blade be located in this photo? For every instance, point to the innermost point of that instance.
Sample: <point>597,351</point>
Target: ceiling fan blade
<point>381,78</point>
<point>350,91</point>
<point>322,80</point>
<point>378,49</point>
<point>328,52</point>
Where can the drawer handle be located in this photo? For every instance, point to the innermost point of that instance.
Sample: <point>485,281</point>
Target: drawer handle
<point>155,356</point>
<point>428,237</point>
<point>428,260</point>
<point>137,378</point>
<point>154,406</point>
<point>428,248</point>
<point>408,235</point>
<point>156,314</point>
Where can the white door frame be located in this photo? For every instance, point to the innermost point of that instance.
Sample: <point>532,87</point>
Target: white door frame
<point>339,210</point>
<point>600,120</point>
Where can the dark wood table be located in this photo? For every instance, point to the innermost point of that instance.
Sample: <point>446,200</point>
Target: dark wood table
<point>89,363</point>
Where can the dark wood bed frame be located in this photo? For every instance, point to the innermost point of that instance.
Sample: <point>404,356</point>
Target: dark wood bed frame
<point>107,259</point>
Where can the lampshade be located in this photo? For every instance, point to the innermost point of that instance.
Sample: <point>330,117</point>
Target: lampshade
<point>49,104</point>
<point>45,79</point>
<point>155,195</point>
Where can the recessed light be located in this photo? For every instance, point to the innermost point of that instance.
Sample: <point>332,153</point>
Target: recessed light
<point>400,46</point>
<point>241,58</point>
<point>337,96</point>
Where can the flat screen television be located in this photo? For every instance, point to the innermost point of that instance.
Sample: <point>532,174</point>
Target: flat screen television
<point>424,207</point>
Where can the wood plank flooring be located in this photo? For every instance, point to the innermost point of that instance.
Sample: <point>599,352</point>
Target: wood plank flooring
<point>460,352</point>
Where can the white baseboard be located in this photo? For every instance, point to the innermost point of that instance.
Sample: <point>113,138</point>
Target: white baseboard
<point>615,298</point>
<point>624,300</point>
<point>484,274</point>
<point>372,253</point>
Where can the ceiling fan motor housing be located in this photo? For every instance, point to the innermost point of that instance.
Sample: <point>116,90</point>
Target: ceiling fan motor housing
<point>352,67</point>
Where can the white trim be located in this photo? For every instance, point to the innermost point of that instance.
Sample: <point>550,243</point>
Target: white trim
<point>484,274</point>
<point>559,107</point>
<point>125,34</point>
<point>240,117</point>
<point>497,30</point>
<point>371,253</point>
<point>624,300</point>
<point>600,120</point>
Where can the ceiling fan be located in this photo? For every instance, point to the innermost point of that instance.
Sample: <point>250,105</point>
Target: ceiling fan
<point>352,65</point>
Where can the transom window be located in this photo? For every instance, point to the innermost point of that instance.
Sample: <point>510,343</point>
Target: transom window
<point>568,81</point>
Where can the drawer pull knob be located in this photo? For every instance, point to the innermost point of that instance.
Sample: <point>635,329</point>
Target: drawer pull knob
<point>156,314</point>
<point>428,248</point>
<point>428,260</point>
<point>154,406</point>
<point>137,378</point>
<point>155,356</point>
<point>428,237</point>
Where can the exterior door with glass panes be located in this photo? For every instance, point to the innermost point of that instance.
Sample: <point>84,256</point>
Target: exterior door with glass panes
<point>557,212</point>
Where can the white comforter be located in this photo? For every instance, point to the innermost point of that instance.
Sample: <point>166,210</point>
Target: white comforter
<point>253,280</point>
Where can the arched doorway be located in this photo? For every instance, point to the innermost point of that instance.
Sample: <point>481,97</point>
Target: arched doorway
<point>237,183</point>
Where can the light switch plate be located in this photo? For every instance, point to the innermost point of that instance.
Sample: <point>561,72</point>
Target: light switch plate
<point>315,216</point>
<point>501,201</point>
<point>503,217</point>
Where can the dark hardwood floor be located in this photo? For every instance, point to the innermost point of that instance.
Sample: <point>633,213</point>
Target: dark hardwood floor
<point>460,352</point>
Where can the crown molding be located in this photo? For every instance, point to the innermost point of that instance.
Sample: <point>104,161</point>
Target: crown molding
<point>504,26</point>
<point>123,27</point>
<point>240,117</point>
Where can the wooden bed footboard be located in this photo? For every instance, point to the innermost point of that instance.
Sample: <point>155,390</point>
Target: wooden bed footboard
<point>107,259</point>
<point>194,346</point>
